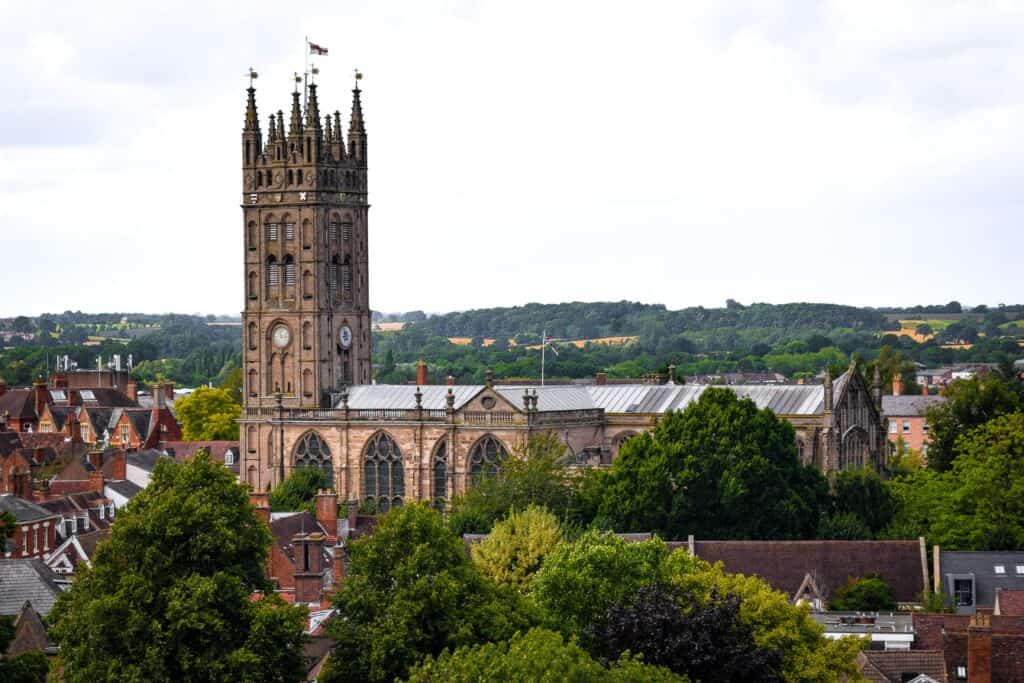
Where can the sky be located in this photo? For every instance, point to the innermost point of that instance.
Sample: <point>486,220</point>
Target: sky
<point>856,152</point>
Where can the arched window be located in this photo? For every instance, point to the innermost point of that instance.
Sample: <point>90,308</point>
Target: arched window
<point>273,273</point>
<point>307,335</point>
<point>854,450</point>
<point>252,235</point>
<point>291,175</point>
<point>252,284</point>
<point>383,476</point>
<point>307,234</point>
<point>259,178</point>
<point>251,477</point>
<point>253,386</point>
<point>272,231</point>
<point>307,382</point>
<point>485,457</point>
<point>439,480</point>
<point>250,431</point>
<point>252,336</point>
<point>312,451</point>
<point>289,271</point>
<point>801,452</point>
<point>346,230</point>
<point>300,170</point>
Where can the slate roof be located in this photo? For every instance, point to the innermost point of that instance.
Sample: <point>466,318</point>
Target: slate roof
<point>106,397</point>
<point>23,510</point>
<point>20,403</point>
<point>140,419</point>
<point>29,632</point>
<point>60,415</point>
<point>30,580</point>
<point>893,666</point>
<point>785,564</point>
<point>126,488</point>
<point>909,406</point>
<point>146,459</point>
<point>100,419</point>
<point>982,566</point>
<point>285,528</point>
<point>787,399</point>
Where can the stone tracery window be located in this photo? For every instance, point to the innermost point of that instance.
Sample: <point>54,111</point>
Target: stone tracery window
<point>486,457</point>
<point>439,480</point>
<point>383,474</point>
<point>313,451</point>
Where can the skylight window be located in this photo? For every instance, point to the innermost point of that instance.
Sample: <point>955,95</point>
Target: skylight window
<point>1020,568</point>
<point>1000,569</point>
<point>87,395</point>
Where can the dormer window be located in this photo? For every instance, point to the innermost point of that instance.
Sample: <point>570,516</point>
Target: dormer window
<point>229,457</point>
<point>110,510</point>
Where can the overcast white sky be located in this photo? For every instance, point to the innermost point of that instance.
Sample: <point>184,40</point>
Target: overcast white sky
<point>858,152</point>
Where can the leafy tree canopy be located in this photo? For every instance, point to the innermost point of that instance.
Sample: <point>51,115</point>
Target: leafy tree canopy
<point>971,402</point>
<point>168,596</point>
<point>721,466</point>
<point>512,553</point>
<point>411,591</point>
<point>298,490</point>
<point>863,494</point>
<point>868,594</point>
<point>208,415</point>
<point>538,656</point>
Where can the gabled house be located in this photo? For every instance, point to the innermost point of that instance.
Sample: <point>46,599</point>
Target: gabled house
<point>971,580</point>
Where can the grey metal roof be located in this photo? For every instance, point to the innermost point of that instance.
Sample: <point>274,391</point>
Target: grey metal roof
<point>909,405</point>
<point>790,399</point>
<point>403,396</point>
<point>23,510</point>
<point>982,566</point>
<point>558,397</point>
<point>31,580</point>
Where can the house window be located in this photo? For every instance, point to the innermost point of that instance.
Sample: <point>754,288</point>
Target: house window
<point>486,457</point>
<point>961,672</point>
<point>84,431</point>
<point>892,428</point>
<point>1000,569</point>
<point>125,434</point>
<point>906,426</point>
<point>963,592</point>
<point>229,457</point>
<point>924,428</point>
<point>383,474</point>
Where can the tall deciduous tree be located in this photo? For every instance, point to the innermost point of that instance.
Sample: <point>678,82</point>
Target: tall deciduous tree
<point>298,490</point>
<point>970,403</point>
<point>512,553</point>
<point>208,415</point>
<point>411,591</point>
<point>863,494</point>
<point>169,595</point>
<point>721,467</point>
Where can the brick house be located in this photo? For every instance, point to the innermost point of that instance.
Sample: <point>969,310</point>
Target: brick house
<point>35,534</point>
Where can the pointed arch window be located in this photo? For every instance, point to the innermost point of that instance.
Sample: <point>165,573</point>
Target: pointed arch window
<point>289,231</point>
<point>273,273</point>
<point>332,273</point>
<point>439,478</point>
<point>312,451</point>
<point>289,271</point>
<point>332,230</point>
<point>486,457</point>
<point>346,230</point>
<point>253,384</point>
<point>252,235</point>
<point>272,231</point>
<point>252,284</point>
<point>383,475</point>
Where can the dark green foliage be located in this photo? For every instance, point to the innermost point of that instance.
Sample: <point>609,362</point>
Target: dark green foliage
<point>412,591</point>
<point>867,594</point>
<point>843,526</point>
<point>8,524</point>
<point>721,468</point>
<point>863,494</point>
<point>29,667</point>
<point>970,403</point>
<point>705,640</point>
<point>168,596</point>
<point>298,490</point>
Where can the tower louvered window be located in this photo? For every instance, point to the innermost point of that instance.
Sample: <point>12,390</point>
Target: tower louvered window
<point>346,279</point>
<point>273,274</point>
<point>289,271</point>
<point>332,273</point>
<point>333,231</point>
<point>289,231</point>
<point>271,231</point>
<point>346,231</point>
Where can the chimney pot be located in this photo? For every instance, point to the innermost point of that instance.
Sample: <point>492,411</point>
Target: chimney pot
<point>601,379</point>
<point>421,373</point>
<point>897,385</point>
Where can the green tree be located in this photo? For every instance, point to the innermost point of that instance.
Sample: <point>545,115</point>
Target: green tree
<point>970,402</point>
<point>298,490</point>
<point>169,594</point>
<point>924,329</point>
<point>233,382</point>
<point>512,553</point>
<point>843,526</point>
<point>28,667</point>
<point>863,493</point>
<point>721,466</point>
<point>208,415</point>
<point>537,656</point>
<point>867,594</point>
<point>412,591</point>
<point>535,475</point>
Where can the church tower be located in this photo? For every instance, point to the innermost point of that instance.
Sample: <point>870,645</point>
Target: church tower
<point>306,322</point>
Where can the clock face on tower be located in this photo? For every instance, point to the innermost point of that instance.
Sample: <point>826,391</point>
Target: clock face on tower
<point>281,336</point>
<point>345,336</point>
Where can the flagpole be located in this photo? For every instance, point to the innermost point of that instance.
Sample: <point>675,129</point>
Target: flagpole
<point>305,79</point>
<point>543,348</point>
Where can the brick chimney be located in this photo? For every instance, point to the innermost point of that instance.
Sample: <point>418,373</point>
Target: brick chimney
<point>309,566</point>
<point>339,564</point>
<point>601,379</point>
<point>96,459</point>
<point>158,396</point>
<point>169,391</point>
<point>96,481</point>
<point>353,516</point>
<point>74,428</point>
<point>979,649</point>
<point>131,390</point>
<point>327,512</point>
<point>897,385</point>
<point>449,381</point>
<point>261,501</point>
<point>42,395</point>
<point>421,373</point>
<point>119,466</point>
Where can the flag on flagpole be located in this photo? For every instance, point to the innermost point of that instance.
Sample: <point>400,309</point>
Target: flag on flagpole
<point>315,49</point>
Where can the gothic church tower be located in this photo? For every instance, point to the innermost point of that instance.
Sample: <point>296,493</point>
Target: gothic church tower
<point>306,323</point>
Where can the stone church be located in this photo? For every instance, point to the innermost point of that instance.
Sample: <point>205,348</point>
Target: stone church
<point>309,399</point>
